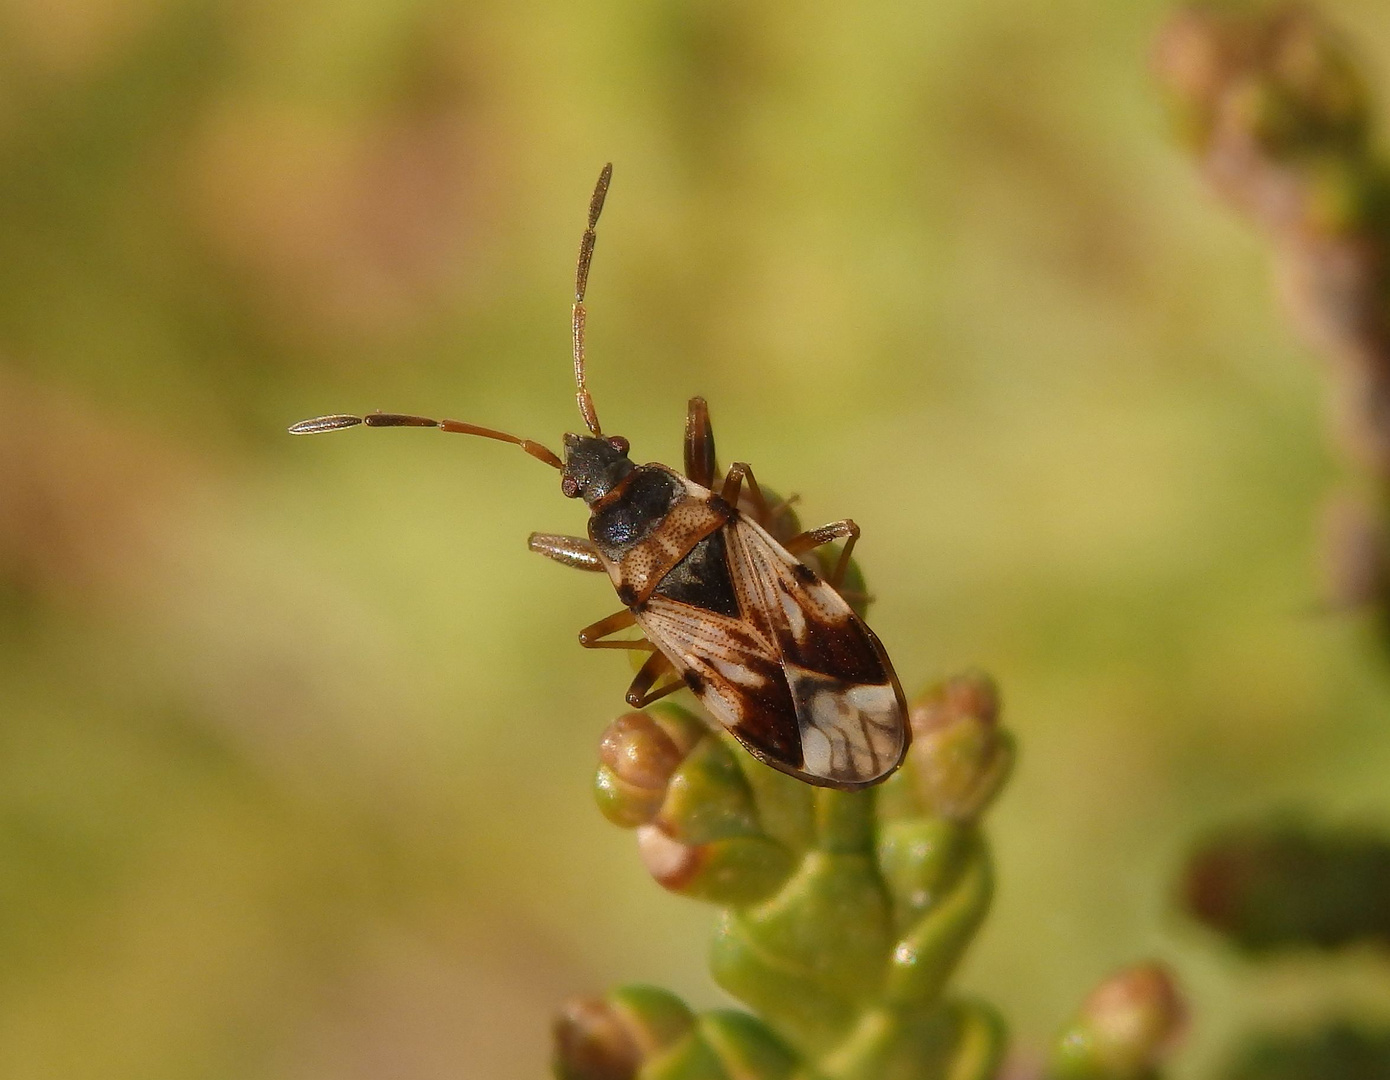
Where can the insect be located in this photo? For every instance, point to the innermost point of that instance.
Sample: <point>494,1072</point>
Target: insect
<point>770,648</point>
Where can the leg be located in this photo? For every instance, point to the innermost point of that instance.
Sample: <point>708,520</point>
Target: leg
<point>845,530</point>
<point>640,694</point>
<point>740,471</point>
<point>699,444</point>
<point>572,551</point>
<point>591,636</point>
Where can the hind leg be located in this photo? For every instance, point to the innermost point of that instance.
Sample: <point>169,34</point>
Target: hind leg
<point>640,694</point>
<point>700,463</point>
<point>845,530</point>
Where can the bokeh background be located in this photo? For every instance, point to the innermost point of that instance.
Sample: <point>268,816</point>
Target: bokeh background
<point>295,737</point>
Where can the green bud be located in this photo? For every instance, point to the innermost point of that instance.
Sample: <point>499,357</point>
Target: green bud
<point>739,870</point>
<point>693,1059</point>
<point>955,1041</point>
<point>1124,1028</point>
<point>807,958</point>
<point>980,1043</point>
<point>959,755</point>
<point>745,1047</point>
<point>811,1017</point>
<point>643,1033</point>
<point>785,804</point>
<point>610,1038</point>
<point>844,821</point>
<point>926,955</point>
<point>699,833</point>
<point>920,858</point>
<point>707,797</point>
<point>845,912</point>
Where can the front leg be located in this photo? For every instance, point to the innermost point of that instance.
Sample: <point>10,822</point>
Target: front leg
<point>845,530</point>
<point>572,551</point>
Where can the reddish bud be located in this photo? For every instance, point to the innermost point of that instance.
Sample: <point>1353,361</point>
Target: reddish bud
<point>1125,1027</point>
<point>639,752</point>
<point>592,1042</point>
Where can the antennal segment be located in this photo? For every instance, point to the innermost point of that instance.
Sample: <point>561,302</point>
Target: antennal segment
<point>337,421</point>
<point>581,285</point>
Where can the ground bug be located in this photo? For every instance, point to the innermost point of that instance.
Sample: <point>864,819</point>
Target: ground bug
<point>770,648</point>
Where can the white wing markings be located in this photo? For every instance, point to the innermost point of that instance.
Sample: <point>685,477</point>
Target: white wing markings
<point>848,732</point>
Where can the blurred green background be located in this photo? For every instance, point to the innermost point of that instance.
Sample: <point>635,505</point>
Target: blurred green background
<point>295,737</point>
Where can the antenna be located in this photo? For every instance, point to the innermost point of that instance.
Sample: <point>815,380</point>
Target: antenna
<point>337,421</point>
<point>581,284</point>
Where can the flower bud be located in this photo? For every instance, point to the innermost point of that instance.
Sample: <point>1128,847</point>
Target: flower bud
<point>706,839</point>
<point>1124,1029</point>
<point>637,759</point>
<point>960,756</point>
<point>611,1038</point>
<point>736,871</point>
<point>593,1043</point>
<point>639,751</point>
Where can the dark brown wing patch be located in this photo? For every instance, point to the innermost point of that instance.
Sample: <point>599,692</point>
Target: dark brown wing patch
<point>702,579</point>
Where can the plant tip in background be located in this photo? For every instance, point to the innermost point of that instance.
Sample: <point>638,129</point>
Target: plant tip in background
<point>1271,105</point>
<point>1288,885</point>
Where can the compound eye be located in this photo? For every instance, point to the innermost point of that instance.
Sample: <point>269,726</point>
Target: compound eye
<point>569,487</point>
<point>618,443</point>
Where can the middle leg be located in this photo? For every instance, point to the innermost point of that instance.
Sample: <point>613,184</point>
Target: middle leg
<point>593,635</point>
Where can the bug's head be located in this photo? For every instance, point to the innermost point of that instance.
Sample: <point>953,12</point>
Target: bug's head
<point>593,466</point>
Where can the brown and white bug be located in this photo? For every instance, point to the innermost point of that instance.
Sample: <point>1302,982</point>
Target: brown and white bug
<point>773,650</point>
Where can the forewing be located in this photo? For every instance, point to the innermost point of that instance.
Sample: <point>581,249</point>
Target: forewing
<point>796,677</point>
<point>850,713</point>
<point>734,670</point>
